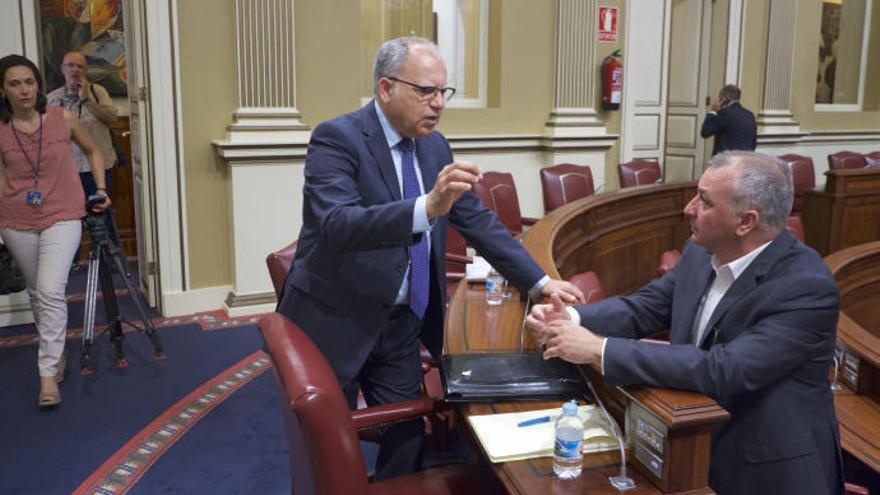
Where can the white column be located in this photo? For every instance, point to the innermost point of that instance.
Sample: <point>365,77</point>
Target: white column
<point>775,116</point>
<point>266,63</point>
<point>264,149</point>
<point>735,27</point>
<point>574,113</point>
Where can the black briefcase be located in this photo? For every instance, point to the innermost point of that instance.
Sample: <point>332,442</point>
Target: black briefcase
<point>509,376</point>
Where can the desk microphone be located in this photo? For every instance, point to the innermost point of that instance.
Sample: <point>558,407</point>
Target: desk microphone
<point>522,327</point>
<point>621,482</point>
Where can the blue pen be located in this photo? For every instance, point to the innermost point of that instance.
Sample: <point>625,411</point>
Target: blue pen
<point>534,421</point>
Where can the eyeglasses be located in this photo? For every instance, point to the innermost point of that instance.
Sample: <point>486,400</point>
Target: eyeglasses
<point>427,92</point>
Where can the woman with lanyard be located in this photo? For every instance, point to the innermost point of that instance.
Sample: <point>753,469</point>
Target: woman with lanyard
<point>41,204</point>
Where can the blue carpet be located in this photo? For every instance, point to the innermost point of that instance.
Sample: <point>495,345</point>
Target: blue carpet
<point>54,451</point>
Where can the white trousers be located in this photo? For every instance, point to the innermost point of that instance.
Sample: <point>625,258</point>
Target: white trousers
<point>44,259</point>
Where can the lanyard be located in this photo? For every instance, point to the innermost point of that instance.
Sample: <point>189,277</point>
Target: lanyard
<point>34,167</point>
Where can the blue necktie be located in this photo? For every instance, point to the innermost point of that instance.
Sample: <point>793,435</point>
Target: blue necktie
<point>420,264</point>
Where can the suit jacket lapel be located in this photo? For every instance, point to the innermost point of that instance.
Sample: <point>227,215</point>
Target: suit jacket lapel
<point>378,146</point>
<point>749,278</point>
<point>701,279</point>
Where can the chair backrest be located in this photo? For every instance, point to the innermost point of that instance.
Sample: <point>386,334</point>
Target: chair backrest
<point>565,183</point>
<point>497,191</point>
<point>279,264</point>
<point>795,226</point>
<point>638,173</point>
<point>325,453</point>
<point>874,155</point>
<point>846,159</point>
<point>803,176</point>
<point>588,283</point>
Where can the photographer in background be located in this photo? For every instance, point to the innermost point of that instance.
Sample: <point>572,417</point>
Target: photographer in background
<point>732,124</point>
<point>92,104</point>
<point>41,204</point>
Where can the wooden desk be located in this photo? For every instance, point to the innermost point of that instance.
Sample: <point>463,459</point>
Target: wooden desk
<point>857,271</point>
<point>686,419</point>
<point>846,213</point>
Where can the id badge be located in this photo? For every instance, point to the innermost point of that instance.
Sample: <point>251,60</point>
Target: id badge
<point>34,198</point>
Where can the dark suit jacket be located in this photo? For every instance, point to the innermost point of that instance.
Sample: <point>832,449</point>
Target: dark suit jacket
<point>773,332</point>
<point>351,256</point>
<point>733,127</point>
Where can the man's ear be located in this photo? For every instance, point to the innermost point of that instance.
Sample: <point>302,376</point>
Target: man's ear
<point>386,86</point>
<point>748,222</point>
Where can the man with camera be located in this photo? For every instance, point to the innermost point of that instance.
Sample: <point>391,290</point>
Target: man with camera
<point>732,124</point>
<point>92,104</point>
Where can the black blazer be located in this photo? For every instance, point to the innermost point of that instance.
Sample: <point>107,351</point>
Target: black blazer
<point>734,128</point>
<point>351,256</point>
<point>773,333</point>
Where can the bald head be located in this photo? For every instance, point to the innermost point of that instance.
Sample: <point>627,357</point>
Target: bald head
<point>74,69</point>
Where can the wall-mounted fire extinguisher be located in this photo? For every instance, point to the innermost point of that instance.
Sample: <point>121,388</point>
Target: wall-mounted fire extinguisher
<point>612,81</point>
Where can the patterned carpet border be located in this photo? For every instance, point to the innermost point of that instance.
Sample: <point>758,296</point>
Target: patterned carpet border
<point>214,320</point>
<point>128,464</point>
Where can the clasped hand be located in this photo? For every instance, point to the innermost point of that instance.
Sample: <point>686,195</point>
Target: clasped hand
<point>551,326</point>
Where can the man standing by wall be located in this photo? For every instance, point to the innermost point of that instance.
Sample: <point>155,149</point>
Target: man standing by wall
<point>732,124</point>
<point>368,280</point>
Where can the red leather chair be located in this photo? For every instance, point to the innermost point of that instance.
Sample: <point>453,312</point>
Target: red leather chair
<point>497,191</point>
<point>639,173</point>
<point>795,227</point>
<point>325,454</point>
<point>846,159</point>
<point>564,183</point>
<point>279,264</point>
<point>589,284</point>
<point>456,259</point>
<point>668,259</point>
<point>803,176</point>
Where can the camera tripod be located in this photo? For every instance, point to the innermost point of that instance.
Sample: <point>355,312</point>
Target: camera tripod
<point>104,254</point>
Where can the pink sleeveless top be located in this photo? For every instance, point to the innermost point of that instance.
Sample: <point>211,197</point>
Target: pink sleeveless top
<point>58,180</point>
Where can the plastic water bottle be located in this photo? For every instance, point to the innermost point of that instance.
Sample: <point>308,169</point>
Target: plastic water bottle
<point>494,288</point>
<point>568,451</point>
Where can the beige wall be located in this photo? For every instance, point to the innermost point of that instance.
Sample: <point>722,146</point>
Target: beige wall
<point>612,118</point>
<point>207,89</point>
<point>806,62</point>
<point>330,75</point>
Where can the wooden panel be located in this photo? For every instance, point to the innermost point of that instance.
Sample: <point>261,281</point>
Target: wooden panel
<point>646,132</point>
<point>857,271</point>
<point>684,49</point>
<point>649,38</point>
<point>680,167</point>
<point>620,236</point>
<point>123,194</point>
<point>846,214</point>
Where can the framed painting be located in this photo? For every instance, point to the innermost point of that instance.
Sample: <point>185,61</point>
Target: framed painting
<point>91,27</point>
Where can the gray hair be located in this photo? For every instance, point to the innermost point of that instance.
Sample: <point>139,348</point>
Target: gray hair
<point>392,56</point>
<point>764,184</point>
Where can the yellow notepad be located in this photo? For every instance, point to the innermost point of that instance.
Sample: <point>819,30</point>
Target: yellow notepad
<point>504,441</point>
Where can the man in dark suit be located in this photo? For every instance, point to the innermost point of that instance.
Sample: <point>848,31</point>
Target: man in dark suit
<point>368,280</point>
<point>732,125</point>
<point>752,315</point>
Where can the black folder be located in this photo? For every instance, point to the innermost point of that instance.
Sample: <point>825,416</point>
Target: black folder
<point>509,376</point>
